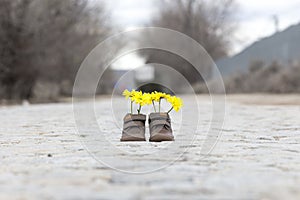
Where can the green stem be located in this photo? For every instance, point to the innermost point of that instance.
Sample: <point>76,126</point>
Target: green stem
<point>154,106</point>
<point>139,110</point>
<point>131,107</point>
<point>170,110</point>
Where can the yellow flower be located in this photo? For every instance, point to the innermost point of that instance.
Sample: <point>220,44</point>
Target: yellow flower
<point>166,96</point>
<point>127,94</point>
<point>147,98</point>
<point>137,97</point>
<point>157,96</point>
<point>142,99</point>
<point>176,102</point>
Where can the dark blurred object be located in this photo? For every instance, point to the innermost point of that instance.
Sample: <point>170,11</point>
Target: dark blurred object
<point>44,41</point>
<point>174,61</point>
<point>151,87</point>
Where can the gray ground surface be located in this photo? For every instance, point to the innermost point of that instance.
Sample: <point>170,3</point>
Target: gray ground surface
<point>257,157</point>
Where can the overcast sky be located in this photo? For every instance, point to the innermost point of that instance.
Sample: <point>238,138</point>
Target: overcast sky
<point>254,17</point>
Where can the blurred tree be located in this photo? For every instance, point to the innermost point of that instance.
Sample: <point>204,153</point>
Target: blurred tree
<point>208,22</point>
<point>46,40</point>
<point>261,78</point>
<point>256,65</point>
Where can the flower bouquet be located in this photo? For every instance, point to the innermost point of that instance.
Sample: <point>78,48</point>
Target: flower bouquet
<point>159,122</point>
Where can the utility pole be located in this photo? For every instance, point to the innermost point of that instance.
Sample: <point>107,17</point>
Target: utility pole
<point>276,22</point>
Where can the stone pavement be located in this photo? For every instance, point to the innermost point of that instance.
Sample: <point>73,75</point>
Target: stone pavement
<point>257,157</point>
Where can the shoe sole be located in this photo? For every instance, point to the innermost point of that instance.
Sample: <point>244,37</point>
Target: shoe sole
<point>161,138</point>
<point>132,139</point>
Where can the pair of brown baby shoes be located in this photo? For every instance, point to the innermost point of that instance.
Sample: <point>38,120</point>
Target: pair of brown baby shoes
<point>159,124</point>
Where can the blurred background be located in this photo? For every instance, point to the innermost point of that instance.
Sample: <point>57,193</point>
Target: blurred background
<point>255,44</point>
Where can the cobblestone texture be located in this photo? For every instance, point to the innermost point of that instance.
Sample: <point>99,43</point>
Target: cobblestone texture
<point>257,157</point>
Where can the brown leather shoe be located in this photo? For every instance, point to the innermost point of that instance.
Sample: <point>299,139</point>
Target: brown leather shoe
<point>160,127</point>
<point>133,128</point>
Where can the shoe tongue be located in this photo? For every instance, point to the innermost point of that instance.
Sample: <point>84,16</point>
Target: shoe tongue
<point>159,116</point>
<point>135,117</point>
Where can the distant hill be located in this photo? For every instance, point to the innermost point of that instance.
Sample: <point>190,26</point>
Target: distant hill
<point>283,47</point>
